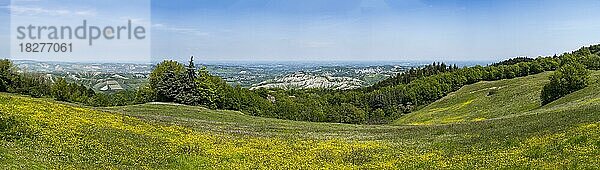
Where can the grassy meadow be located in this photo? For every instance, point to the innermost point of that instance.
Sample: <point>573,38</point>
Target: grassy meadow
<point>496,124</point>
<point>482,101</point>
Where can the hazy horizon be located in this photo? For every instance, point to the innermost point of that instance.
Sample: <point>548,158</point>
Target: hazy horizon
<point>234,62</point>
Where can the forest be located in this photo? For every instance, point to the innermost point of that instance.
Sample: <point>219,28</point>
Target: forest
<point>171,81</point>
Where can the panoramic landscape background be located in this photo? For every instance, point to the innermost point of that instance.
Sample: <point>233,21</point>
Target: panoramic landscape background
<point>327,84</point>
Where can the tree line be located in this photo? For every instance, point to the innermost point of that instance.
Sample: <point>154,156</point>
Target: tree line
<point>171,81</point>
<point>572,75</point>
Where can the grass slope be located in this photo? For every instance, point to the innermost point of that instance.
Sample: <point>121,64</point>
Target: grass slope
<point>37,133</point>
<point>42,134</point>
<point>486,100</point>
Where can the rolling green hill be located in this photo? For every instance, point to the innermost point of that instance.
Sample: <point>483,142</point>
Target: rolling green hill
<point>488,100</point>
<point>516,133</point>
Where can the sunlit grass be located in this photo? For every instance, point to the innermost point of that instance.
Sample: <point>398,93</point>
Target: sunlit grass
<point>38,133</point>
<point>483,99</point>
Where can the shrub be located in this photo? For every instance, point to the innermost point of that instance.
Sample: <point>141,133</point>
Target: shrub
<point>163,77</point>
<point>592,62</point>
<point>567,79</point>
<point>6,74</point>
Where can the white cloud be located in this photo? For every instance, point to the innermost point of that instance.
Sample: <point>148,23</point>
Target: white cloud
<point>318,44</point>
<point>32,11</point>
<point>136,20</point>
<point>182,30</point>
<point>157,25</point>
<point>86,13</point>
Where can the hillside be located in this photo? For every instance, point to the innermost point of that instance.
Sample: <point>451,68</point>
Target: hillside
<point>481,101</point>
<point>43,134</point>
<point>489,100</point>
<point>38,133</point>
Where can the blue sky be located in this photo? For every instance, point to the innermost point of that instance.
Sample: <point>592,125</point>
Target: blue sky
<point>292,30</point>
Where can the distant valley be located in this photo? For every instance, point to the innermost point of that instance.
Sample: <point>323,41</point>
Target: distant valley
<point>109,77</point>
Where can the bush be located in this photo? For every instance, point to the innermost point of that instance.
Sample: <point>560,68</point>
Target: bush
<point>592,62</point>
<point>163,80</point>
<point>6,74</point>
<point>145,94</point>
<point>567,79</point>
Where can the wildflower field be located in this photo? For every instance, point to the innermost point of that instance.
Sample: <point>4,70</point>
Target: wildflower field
<point>41,133</point>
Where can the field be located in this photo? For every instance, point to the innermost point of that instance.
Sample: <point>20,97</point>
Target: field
<point>486,125</point>
<point>482,101</point>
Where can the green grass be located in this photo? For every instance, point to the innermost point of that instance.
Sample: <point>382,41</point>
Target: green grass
<point>47,134</point>
<point>237,123</point>
<point>488,100</point>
